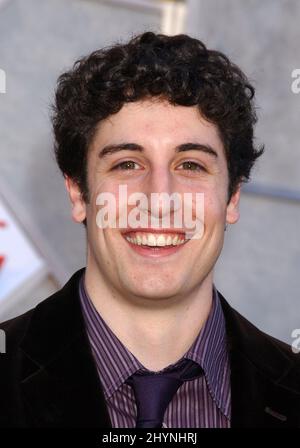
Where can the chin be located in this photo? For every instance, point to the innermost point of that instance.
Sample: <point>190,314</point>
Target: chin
<point>154,289</point>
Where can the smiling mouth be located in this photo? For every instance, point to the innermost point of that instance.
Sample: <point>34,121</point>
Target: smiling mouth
<point>155,239</point>
<point>155,244</point>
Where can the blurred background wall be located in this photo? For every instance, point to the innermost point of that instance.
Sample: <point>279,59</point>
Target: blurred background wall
<point>259,267</point>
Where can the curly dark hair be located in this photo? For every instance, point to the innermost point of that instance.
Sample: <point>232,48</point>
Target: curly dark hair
<point>177,68</point>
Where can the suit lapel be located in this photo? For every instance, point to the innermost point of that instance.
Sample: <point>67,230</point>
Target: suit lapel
<point>60,384</point>
<point>264,384</point>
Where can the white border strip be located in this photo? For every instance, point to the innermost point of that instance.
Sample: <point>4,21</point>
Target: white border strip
<point>173,17</point>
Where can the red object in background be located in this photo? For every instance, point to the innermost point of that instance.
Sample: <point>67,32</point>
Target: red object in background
<point>2,257</point>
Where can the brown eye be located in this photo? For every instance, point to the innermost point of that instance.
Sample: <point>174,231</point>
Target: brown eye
<point>126,165</point>
<point>192,166</point>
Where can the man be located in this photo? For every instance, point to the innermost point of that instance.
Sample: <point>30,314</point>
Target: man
<point>141,337</point>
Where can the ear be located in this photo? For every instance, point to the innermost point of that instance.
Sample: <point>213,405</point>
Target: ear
<point>78,204</point>
<point>232,212</point>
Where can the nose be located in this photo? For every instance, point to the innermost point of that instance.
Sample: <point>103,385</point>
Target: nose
<point>160,189</point>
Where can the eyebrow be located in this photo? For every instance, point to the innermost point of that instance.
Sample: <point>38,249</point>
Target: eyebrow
<point>112,149</point>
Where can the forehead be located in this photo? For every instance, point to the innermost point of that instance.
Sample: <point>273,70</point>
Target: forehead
<point>155,122</point>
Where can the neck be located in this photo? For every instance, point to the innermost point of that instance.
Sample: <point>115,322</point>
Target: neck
<point>158,333</point>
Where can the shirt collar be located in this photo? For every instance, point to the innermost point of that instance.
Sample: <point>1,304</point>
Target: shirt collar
<point>210,351</point>
<point>115,363</point>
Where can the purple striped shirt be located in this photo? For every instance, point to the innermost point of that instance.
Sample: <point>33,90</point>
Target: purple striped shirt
<point>204,402</point>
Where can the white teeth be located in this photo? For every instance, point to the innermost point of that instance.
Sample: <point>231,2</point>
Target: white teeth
<point>153,240</point>
<point>161,241</point>
<point>169,240</point>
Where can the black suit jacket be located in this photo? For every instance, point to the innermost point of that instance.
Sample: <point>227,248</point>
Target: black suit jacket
<point>49,378</point>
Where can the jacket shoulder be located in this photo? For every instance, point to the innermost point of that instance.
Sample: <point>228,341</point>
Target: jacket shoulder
<point>31,340</point>
<point>273,358</point>
<point>16,328</point>
<point>266,339</point>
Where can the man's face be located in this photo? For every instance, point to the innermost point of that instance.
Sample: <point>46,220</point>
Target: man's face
<point>159,128</point>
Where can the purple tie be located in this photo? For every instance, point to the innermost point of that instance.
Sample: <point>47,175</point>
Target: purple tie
<point>154,391</point>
